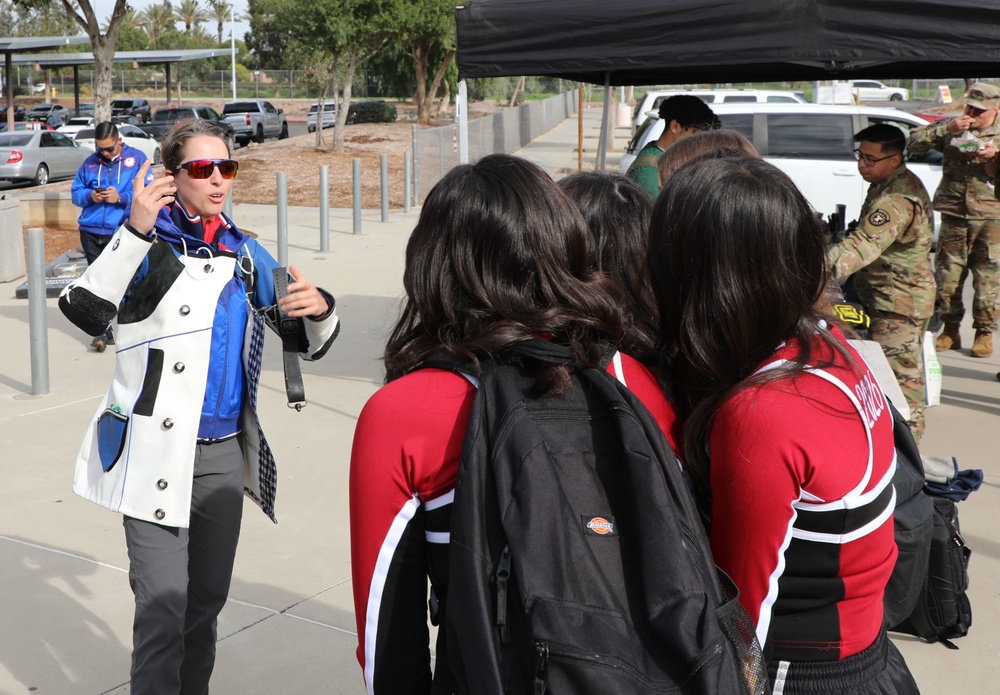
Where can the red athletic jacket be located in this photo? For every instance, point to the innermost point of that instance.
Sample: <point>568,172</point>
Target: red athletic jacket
<point>801,477</point>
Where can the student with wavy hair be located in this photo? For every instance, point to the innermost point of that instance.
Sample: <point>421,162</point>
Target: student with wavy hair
<point>617,212</point>
<point>707,144</point>
<point>784,424</point>
<point>499,255</point>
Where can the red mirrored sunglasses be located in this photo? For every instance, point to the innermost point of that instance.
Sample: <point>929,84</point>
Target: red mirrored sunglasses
<point>203,168</point>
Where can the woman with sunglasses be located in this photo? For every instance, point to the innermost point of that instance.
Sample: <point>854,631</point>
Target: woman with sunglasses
<point>176,441</point>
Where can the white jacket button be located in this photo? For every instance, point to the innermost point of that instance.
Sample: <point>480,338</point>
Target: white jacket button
<point>185,310</point>
<point>178,367</point>
<point>167,423</point>
<point>159,514</point>
<point>161,484</point>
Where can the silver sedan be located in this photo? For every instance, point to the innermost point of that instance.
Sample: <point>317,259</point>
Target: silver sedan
<point>38,156</point>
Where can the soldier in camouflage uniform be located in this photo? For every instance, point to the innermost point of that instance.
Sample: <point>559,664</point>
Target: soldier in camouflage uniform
<point>970,216</point>
<point>889,253</point>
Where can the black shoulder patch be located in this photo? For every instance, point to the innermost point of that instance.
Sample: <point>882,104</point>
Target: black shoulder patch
<point>879,217</point>
<point>164,269</point>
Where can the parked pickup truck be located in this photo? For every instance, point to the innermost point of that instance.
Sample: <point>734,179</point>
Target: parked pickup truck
<point>130,107</point>
<point>256,120</point>
<point>165,118</point>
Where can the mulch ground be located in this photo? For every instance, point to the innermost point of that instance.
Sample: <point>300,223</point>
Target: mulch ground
<point>300,159</point>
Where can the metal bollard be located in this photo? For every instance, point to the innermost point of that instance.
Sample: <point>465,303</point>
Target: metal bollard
<point>407,165</point>
<point>416,167</point>
<point>37,321</point>
<point>282,219</point>
<point>357,195</point>
<point>324,208</point>
<point>383,163</point>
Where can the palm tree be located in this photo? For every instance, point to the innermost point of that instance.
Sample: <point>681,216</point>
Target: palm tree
<point>218,12</point>
<point>191,13</point>
<point>158,19</point>
<point>200,34</point>
<point>129,19</point>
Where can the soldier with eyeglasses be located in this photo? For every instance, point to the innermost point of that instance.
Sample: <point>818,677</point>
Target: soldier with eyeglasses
<point>889,255</point>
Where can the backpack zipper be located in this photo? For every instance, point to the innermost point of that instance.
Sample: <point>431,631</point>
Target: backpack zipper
<point>502,575</point>
<point>546,654</point>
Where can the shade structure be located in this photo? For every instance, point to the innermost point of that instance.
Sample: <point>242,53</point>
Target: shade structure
<point>644,42</point>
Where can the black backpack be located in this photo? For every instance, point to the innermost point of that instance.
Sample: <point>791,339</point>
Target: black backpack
<point>578,563</point>
<point>913,525</point>
<point>942,611</point>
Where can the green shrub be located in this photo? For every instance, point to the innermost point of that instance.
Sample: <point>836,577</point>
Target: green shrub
<point>371,112</point>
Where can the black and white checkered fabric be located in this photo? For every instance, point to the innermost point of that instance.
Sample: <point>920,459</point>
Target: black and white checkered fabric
<point>268,471</point>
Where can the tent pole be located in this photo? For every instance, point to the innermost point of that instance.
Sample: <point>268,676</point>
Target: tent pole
<point>602,155</point>
<point>579,127</point>
<point>462,116</point>
<point>8,89</point>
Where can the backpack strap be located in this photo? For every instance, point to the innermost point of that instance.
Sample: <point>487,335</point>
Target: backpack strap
<point>547,351</point>
<point>535,348</point>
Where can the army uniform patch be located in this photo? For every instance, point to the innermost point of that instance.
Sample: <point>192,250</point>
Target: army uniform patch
<point>878,218</point>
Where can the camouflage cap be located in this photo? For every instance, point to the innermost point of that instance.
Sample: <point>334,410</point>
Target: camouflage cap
<point>982,96</point>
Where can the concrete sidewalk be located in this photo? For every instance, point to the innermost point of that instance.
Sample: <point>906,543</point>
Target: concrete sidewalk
<point>289,628</point>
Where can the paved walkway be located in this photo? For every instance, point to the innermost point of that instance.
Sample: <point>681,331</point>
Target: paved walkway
<point>65,605</point>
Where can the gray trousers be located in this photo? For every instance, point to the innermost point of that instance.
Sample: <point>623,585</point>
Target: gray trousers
<point>180,578</point>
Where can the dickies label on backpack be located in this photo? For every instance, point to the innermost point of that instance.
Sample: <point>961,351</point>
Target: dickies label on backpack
<point>599,525</point>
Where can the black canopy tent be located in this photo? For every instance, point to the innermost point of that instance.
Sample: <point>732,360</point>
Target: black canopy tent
<point>653,42</point>
<point>642,42</point>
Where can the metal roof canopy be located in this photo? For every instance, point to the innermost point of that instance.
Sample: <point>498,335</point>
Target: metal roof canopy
<point>67,60</point>
<point>20,44</point>
<point>75,60</point>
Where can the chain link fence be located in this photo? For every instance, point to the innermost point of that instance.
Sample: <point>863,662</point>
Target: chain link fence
<point>191,81</point>
<point>435,150</point>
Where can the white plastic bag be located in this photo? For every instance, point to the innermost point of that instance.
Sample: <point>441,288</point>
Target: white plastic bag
<point>932,371</point>
<point>873,356</point>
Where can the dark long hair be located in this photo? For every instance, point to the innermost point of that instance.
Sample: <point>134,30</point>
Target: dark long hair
<point>737,265</point>
<point>499,255</point>
<point>617,211</point>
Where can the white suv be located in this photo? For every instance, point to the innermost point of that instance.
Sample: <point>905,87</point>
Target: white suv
<point>651,100</point>
<point>813,144</point>
<point>329,116</point>
<point>872,90</point>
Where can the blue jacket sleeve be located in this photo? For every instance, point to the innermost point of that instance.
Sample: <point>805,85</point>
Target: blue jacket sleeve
<point>81,189</point>
<point>126,189</point>
<point>320,333</point>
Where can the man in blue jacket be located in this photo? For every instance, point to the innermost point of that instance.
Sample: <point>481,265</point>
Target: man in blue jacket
<point>103,188</point>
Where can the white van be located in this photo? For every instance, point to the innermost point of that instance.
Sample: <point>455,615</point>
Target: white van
<point>814,145</point>
<point>651,100</point>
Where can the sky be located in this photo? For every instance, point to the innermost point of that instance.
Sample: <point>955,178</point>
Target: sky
<point>103,9</point>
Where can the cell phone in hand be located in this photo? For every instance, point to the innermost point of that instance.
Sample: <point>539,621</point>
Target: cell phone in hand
<point>100,189</point>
